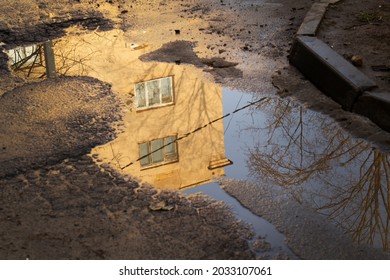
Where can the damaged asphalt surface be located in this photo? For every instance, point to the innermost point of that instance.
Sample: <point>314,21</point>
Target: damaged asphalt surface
<point>57,203</point>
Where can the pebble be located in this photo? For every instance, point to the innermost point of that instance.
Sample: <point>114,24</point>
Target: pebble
<point>54,172</point>
<point>357,60</point>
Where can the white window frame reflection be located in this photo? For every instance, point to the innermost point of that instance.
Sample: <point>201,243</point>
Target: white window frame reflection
<point>154,93</point>
<point>26,55</point>
<point>158,152</point>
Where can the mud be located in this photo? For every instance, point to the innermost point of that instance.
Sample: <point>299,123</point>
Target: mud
<point>353,29</point>
<point>57,203</point>
<point>56,29</point>
<point>183,52</point>
<point>78,210</point>
<point>45,122</point>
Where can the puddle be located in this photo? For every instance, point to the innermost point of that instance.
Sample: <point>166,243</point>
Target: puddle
<point>263,230</point>
<point>176,135</point>
<point>237,140</point>
<point>176,121</point>
<point>321,165</point>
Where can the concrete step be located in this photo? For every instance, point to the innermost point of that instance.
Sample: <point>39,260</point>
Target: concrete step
<point>329,71</point>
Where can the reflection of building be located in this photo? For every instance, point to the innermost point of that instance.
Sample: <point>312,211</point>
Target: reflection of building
<point>34,61</point>
<point>155,146</point>
<point>168,139</point>
<point>169,101</point>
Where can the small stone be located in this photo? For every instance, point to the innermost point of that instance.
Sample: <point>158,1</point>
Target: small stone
<point>261,245</point>
<point>70,168</point>
<point>157,206</point>
<point>105,166</point>
<point>160,206</point>
<point>54,172</point>
<point>217,62</point>
<point>357,60</point>
<point>42,5</point>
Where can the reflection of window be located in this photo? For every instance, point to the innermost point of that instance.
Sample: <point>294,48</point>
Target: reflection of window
<point>158,151</point>
<point>25,56</point>
<point>154,93</point>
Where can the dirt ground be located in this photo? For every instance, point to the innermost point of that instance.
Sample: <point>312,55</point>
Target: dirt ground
<point>356,29</point>
<point>75,210</point>
<point>47,127</point>
<point>352,28</point>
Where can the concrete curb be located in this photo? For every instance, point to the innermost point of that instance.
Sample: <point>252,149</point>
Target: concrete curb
<point>375,106</point>
<point>313,19</point>
<point>333,74</point>
<point>329,71</point>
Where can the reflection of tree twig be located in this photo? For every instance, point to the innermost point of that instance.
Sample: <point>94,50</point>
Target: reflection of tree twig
<point>290,163</point>
<point>116,156</point>
<point>370,200</point>
<point>23,63</point>
<point>18,64</point>
<point>360,203</point>
<point>68,60</point>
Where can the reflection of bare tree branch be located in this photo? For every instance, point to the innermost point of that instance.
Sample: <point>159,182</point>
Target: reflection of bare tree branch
<point>23,64</point>
<point>20,60</point>
<point>68,60</point>
<point>367,201</point>
<point>299,154</point>
<point>281,165</point>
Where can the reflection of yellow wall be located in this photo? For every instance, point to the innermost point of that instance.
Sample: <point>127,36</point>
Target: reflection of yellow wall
<point>197,102</point>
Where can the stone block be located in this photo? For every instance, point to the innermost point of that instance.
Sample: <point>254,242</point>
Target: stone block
<point>313,19</point>
<point>375,106</point>
<point>329,71</point>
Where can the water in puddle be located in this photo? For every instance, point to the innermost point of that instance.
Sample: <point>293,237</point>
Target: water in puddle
<point>177,135</point>
<point>339,176</point>
<point>287,146</point>
<point>263,230</point>
<point>237,143</point>
<point>175,125</point>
